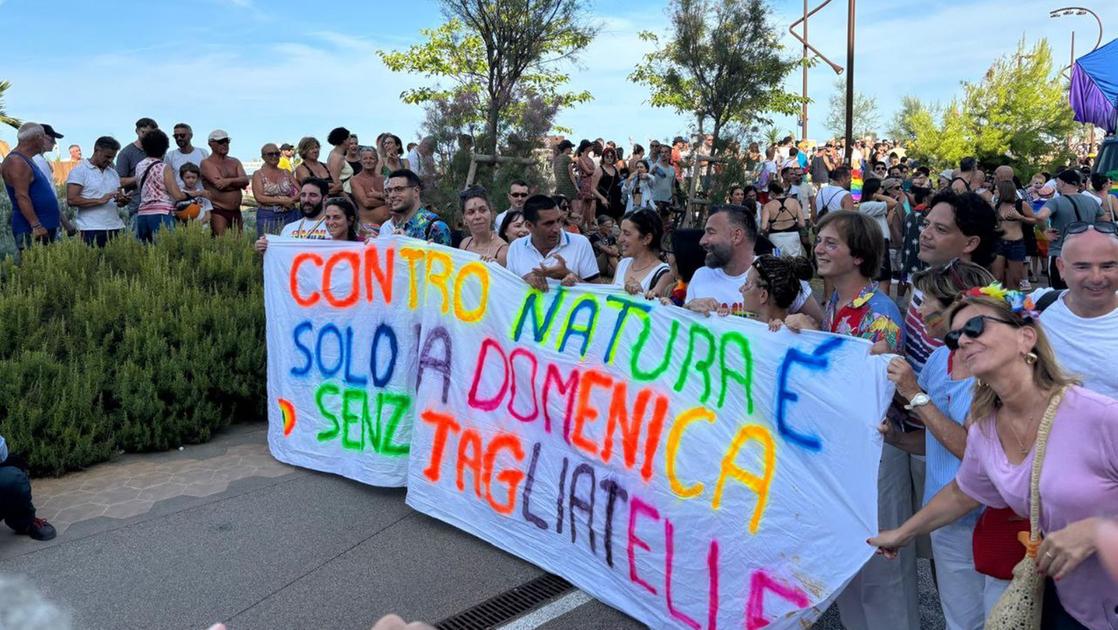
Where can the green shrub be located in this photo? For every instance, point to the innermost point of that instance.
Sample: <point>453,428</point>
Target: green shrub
<point>131,347</point>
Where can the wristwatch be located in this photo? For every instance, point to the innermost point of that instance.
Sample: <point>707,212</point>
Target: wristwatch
<point>919,400</point>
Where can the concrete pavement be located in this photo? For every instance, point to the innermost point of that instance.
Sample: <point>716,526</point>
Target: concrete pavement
<point>222,532</point>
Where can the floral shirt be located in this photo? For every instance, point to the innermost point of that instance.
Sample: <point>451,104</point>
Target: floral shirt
<point>425,226</point>
<point>872,316</point>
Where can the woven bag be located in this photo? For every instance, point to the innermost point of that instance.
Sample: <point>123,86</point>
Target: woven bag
<point>1020,605</point>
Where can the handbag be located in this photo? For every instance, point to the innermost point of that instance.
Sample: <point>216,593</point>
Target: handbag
<point>995,546</point>
<point>1020,605</point>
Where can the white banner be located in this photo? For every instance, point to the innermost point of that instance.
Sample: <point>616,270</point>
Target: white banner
<point>693,472</point>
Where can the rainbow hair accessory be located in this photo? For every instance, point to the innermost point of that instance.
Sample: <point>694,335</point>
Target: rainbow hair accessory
<point>856,182</point>
<point>1020,303</point>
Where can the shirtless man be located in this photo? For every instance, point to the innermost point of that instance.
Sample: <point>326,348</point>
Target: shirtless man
<point>225,179</point>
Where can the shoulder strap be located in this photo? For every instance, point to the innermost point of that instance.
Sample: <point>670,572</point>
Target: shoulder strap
<point>1048,299</point>
<point>960,179</point>
<point>1038,462</point>
<point>147,172</point>
<point>1075,207</point>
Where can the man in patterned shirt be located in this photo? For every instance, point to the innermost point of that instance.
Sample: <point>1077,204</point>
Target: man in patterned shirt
<point>848,252</point>
<point>408,217</point>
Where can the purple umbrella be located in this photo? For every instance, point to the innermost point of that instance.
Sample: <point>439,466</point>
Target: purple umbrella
<point>1094,87</point>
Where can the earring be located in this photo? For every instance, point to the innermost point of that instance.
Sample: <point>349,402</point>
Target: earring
<point>1030,358</point>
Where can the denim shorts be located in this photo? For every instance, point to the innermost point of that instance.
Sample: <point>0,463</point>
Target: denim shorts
<point>1013,251</point>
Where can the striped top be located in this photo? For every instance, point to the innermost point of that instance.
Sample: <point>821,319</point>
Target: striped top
<point>918,344</point>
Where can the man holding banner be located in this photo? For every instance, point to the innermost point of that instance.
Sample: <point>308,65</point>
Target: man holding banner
<point>549,251</point>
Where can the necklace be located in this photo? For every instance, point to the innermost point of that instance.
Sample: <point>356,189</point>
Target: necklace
<point>1017,436</point>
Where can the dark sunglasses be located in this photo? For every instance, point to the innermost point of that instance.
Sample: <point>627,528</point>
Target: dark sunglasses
<point>224,141</point>
<point>272,154</point>
<point>518,195</point>
<point>974,328</point>
<point>1102,227</point>
<point>179,135</point>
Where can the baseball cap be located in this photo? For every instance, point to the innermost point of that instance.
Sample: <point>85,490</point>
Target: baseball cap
<point>47,129</point>
<point>678,139</point>
<point>1068,176</point>
<point>218,134</point>
<point>286,146</point>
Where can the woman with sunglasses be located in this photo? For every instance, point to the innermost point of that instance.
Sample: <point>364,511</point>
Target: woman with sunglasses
<point>606,185</point>
<point>368,195</point>
<point>1018,383</point>
<point>478,217</point>
<point>641,269</point>
<point>940,398</point>
<point>275,192</point>
<point>773,286</point>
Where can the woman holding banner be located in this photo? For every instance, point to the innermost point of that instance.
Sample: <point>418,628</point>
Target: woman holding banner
<point>341,219</point>
<point>642,269</point>
<point>769,293</point>
<point>941,398</point>
<point>1024,405</point>
<point>478,218</point>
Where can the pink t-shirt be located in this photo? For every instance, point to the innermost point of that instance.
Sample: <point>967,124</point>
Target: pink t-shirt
<point>1079,479</point>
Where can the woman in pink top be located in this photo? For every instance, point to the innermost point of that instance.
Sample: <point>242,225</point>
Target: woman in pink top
<point>157,187</point>
<point>995,336</point>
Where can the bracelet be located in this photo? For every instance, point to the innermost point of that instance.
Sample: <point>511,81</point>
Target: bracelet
<point>36,225</point>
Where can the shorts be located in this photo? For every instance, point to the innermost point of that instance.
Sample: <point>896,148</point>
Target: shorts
<point>232,217</point>
<point>1013,251</point>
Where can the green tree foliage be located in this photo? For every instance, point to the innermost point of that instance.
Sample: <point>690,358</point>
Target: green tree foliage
<point>866,118</point>
<point>131,347</point>
<point>720,63</point>
<point>1018,114</point>
<point>5,119</point>
<point>498,53</point>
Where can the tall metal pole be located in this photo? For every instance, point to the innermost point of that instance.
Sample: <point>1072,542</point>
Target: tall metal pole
<point>849,80</point>
<point>803,111</point>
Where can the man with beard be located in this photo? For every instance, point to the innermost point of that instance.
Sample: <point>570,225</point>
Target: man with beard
<point>409,218</point>
<point>224,178</point>
<point>313,224</point>
<point>183,134</point>
<point>729,239</point>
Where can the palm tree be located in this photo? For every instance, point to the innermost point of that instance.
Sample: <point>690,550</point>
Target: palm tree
<point>5,119</point>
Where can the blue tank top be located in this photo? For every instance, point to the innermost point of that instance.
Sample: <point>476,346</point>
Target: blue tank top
<point>43,199</point>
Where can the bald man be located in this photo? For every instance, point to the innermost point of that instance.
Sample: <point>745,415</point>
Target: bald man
<point>1082,322</point>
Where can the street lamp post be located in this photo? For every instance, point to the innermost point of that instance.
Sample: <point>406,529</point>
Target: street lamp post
<point>849,80</point>
<point>808,48</point>
<point>1069,11</point>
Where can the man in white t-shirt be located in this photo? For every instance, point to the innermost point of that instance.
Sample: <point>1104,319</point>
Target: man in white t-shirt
<point>313,224</point>
<point>93,190</point>
<point>729,238</point>
<point>835,195</point>
<point>549,251</point>
<point>1082,323</point>
<point>186,152</point>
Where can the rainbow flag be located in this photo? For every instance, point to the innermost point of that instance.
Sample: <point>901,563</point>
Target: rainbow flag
<point>856,185</point>
<point>1113,175</point>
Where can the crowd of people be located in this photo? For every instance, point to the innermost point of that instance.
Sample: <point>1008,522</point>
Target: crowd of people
<point>936,268</point>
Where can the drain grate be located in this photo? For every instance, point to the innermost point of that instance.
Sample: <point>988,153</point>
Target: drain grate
<point>508,605</point>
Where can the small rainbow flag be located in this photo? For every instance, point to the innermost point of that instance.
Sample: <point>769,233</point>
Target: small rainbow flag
<point>856,185</point>
<point>1113,175</point>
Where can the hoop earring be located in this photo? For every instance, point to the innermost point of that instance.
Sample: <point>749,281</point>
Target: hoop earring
<point>1030,358</point>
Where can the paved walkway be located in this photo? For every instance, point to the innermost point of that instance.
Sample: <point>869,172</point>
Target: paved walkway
<point>223,532</point>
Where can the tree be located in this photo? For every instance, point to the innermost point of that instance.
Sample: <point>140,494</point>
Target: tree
<point>912,108</point>
<point>1018,114</point>
<point>865,112</point>
<point>5,119</point>
<point>502,52</point>
<point>722,64</point>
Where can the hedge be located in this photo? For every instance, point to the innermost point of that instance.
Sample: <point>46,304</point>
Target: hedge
<point>130,347</point>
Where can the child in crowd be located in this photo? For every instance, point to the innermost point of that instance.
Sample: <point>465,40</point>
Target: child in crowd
<point>197,206</point>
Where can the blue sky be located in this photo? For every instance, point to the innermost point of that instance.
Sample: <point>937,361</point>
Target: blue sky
<point>279,69</point>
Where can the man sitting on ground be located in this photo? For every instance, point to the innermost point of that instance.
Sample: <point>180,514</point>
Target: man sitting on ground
<point>16,507</point>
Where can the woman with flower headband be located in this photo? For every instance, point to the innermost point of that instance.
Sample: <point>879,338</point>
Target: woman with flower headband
<point>940,398</point>
<point>1024,405</point>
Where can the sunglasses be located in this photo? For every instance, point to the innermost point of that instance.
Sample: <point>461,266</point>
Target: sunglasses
<point>272,154</point>
<point>179,135</point>
<point>518,195</point>
<point>1102,227</point>
<point>224,141</point>
<point>974,328</point>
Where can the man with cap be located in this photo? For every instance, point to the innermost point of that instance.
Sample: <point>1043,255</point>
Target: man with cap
<point>35,211</point>
<point>185,153</point>
<point>287,157</point>
<point>1071,206</point>
<point>40,160</point>
<point>224,178</point>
